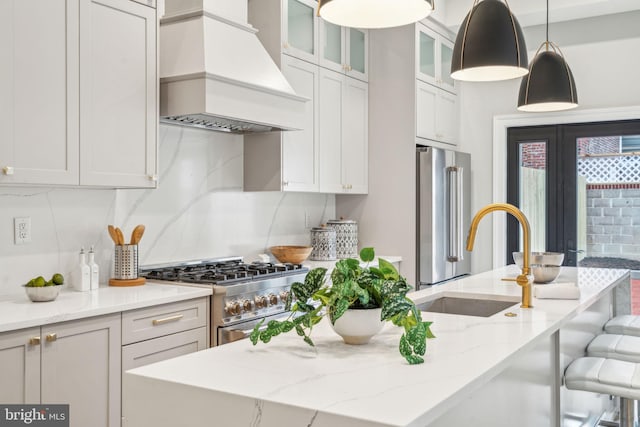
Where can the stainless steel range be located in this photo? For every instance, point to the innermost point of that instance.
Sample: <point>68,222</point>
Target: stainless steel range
<point>243,294</point>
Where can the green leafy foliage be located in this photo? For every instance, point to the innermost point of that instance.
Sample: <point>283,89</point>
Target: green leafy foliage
<point>352,287</point>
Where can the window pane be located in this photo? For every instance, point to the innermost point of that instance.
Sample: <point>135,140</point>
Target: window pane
<point>533,193</point>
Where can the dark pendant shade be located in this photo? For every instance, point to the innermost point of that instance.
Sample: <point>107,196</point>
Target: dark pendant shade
<point>490,45</point>
<point>374,13</point>
<point>549,86</point>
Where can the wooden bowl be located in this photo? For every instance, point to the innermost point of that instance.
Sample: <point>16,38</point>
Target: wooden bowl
<point>291,254</point>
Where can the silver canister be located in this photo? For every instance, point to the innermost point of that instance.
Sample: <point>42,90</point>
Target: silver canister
<point>346,237</point>
<point>126,262</point>
<point>323,241</point>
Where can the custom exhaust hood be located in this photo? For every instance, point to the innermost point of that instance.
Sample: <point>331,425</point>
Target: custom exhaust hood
<point>215,73</point>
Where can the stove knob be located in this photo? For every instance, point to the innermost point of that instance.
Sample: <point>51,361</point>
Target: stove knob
<point>273,299</point>
<point>283,296</point>
<point>232,308</point>
<point>246,305</point>
<point>261,301</point>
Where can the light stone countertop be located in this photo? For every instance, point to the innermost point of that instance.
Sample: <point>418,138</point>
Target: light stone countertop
<point>17,311</point>
<point>287,383</point>
<point>330,264</point>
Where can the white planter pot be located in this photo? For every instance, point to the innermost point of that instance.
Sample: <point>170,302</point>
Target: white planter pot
<point>357,326</point>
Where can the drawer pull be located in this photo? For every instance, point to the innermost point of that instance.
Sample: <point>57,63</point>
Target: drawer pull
<point>34,340</point>
<point>51,337</point>
<point>175,318</point>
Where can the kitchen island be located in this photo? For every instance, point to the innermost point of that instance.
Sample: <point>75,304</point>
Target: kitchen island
<point>494,370</point>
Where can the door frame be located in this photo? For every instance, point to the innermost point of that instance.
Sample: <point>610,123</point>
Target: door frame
<point>503,122</point>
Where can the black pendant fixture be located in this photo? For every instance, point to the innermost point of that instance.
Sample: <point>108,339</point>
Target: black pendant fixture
<point>549,86</point>
<point>374,13</point>
<point>490,45</point>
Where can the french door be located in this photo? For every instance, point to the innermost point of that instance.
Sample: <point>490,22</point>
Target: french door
<point>558,176</point>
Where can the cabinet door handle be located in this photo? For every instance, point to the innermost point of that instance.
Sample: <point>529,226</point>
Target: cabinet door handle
<point>285,45</point>
<point>285,183</point>
<point>51,337</point>
<point>153,177</point>
<point>175,318</point>
<point>34,341</point>
<point>7,170</point>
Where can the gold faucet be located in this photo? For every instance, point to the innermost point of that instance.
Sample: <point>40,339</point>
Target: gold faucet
<point>525,279</point>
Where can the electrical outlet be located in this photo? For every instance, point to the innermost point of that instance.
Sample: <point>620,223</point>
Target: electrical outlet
<point>22,230</point>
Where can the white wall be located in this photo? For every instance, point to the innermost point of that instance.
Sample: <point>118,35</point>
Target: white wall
<point>606,77</point>
<point>198,211</point>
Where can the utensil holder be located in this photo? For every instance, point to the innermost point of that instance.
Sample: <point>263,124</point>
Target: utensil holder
<point>126,262</point>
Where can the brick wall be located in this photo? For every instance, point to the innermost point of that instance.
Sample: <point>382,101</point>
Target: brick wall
<point>533,155</point>
<point>602,145</point>
<point>613,221</point>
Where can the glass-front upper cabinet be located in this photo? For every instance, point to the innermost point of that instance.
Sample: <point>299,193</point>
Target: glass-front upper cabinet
<point>300,29</point>
<point>434,53</point>
<point>344,49</point>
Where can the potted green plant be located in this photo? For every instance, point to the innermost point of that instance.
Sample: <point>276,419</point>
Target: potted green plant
<point>353,288</point>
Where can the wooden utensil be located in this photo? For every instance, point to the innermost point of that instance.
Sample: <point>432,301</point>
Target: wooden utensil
<point>136,234</point>
<point>112,233</point>
<point>120,236</point>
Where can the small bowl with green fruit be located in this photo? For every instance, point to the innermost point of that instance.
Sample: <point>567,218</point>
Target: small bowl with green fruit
<point>40,290</point>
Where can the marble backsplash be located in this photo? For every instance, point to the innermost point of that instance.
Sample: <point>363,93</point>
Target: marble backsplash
<point>198,211</point>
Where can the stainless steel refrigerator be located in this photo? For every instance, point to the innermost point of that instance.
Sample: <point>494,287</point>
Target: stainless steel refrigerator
<point>443,214</point>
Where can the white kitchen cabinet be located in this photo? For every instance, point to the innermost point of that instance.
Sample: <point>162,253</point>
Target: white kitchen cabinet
<point>433,58</point>
<point>299,29</point>
<point>39,100</point>
<point>158,333</point>
<point>79,99</point>
<point>163,348</point>
<point>330,153</point>
<point>436,114</point>
<point>20,366</point>
<point>344,49</point>
<point>286,26</point>
<point>343,117</point>
<point>118,79</point>
<point>287,161</point>
<point>75,363</point>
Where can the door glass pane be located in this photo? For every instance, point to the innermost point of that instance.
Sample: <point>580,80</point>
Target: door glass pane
<point>332,46</point>
<point>300,26</point>
<point>446,53</point>
<point>609,200</point>
<point>357,49</point>
<point>533,193</point>
<point>427,55</point>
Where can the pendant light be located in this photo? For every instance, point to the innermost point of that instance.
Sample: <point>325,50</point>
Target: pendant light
<point>374,13</point>
<point>549,86</point>
<point>490,45</point>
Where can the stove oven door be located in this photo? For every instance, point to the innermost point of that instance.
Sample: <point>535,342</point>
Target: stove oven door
<point>242,330</point>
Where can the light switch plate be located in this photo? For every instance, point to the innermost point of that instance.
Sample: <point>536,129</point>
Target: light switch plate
<point>22,230</point>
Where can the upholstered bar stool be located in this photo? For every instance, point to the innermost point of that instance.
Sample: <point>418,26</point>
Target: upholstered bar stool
<point>607,376</point>
<point>626,324</point>
<point>614,346</point>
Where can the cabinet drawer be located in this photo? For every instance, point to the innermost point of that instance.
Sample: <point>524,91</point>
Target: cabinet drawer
<point>163,348</point>
<point>153,322</point>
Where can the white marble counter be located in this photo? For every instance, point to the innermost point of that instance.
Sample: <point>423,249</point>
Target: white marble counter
<point>330,264</point>
<point>287,383</point>
<point>17,311</point>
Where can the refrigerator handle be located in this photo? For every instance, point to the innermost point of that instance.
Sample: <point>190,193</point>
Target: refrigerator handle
<point>454,184</point>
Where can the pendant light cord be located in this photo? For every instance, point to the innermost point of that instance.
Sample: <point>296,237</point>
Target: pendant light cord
<point>547,24</point>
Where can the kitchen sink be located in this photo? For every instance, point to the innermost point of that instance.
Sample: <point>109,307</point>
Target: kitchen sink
<point>467,306</point>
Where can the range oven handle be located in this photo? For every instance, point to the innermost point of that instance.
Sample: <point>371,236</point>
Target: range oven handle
<point>231,335</point>
<point>454,184</point>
